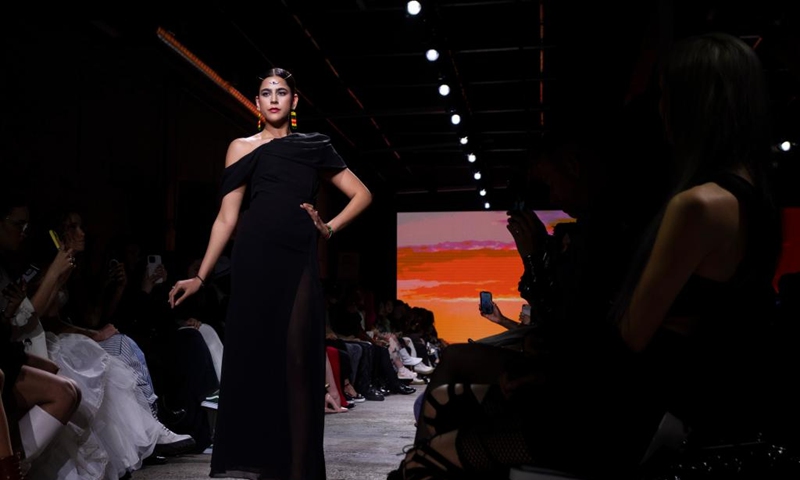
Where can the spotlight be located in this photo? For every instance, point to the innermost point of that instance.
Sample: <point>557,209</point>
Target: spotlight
<point>432,55</point>
<point>471,158</point>
<point>486,205</point>
<point>476,175</point>
<point>463,140</point>
<point>444,89</point>
<point>785,146</point>
<point>455,119</point>
<point>413,7</point>
<point>482,193</point>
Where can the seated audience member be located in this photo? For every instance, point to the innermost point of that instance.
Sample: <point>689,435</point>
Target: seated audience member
<point>376,376</point>
<point>113,430</point>
<point>689,317</point>
<point>37,402</point>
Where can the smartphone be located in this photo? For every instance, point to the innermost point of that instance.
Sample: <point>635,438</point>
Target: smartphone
<point>526,310</point>
<point>486,303</point>
<point>29,274</point>
<point>153,261</point>
<point>56,240</point>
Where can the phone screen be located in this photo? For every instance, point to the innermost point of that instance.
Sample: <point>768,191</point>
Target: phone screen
<point>486,302</point>
<point>29,274</point>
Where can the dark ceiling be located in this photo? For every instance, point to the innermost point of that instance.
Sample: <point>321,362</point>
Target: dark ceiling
<point>516,68</point>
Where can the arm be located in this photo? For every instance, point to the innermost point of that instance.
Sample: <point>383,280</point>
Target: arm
<point>221,230</point>
<point>360,198</point>
<point>497,317</point>
<point>46,291</point>
<point>693,226</point>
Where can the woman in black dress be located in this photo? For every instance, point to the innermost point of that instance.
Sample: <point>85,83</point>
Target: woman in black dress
<point>691,325</point>
<point>270,417</point>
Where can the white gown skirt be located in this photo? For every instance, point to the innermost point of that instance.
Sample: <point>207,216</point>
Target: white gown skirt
<point>111,433</point>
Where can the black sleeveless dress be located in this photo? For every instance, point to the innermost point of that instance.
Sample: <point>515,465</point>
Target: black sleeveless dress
<point>599,420</point>
<point>270,419</point>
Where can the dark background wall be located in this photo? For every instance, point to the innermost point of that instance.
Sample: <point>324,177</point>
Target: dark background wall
<point>127,133</point>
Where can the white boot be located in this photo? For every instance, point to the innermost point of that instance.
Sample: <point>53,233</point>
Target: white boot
<point>37,428</point>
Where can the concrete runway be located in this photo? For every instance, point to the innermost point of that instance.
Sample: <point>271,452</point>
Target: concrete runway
<point>363,444</point>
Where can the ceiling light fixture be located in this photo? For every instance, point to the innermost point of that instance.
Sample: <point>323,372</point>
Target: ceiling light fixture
<point>444,89</point>
<point>486,205</point>
<point>413,7</point>
<point>455,119</point>
<point>432,54</point>
<point>463,140</point>
<point>476,175</point>
<point>471,158</point>
<point>482,192</point>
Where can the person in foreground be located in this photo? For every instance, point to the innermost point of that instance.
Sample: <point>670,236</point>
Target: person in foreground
<point>270,418</point>
<point>689,318</point>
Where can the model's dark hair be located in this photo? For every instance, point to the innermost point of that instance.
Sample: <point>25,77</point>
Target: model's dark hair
<point>716,111</point>
<point>284,74</point>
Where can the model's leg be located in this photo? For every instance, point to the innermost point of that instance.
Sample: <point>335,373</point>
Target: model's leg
<point>305,370</point>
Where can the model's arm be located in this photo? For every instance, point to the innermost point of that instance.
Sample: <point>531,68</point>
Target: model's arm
<point>360,198</point>
<point>221,230</point>
<point>693,226</point>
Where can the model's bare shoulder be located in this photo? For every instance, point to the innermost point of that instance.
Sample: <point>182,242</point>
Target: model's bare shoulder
<point>240,147</point>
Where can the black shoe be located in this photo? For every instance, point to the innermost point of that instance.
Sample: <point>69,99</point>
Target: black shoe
<point>374,395</point>
<point>403,389</point>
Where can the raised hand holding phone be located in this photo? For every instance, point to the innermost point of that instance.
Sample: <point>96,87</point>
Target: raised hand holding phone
<point>530,234</point>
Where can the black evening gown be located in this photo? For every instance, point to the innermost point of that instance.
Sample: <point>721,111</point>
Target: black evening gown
<point>270,419</point>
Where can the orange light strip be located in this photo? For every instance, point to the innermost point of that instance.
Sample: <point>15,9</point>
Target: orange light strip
<point>190,57</point>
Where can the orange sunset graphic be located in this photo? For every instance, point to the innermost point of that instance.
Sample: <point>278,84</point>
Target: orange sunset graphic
<point>445,259</point>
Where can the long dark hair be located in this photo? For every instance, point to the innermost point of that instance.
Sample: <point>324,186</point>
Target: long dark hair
<point>715,108</point>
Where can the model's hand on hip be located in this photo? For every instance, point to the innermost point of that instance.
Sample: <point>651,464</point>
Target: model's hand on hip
<point>314,214</point>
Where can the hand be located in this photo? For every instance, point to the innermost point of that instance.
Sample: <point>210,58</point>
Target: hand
<point>117,276</point>
<point>182,290</point>
<point>193,322</point>
<point>528,231</point>
<point>495,316</point>
<point>15,294</point>
<point>150,281</point>
<point>104,333</point>
<point>63,264</point>
<point>312,212</point>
